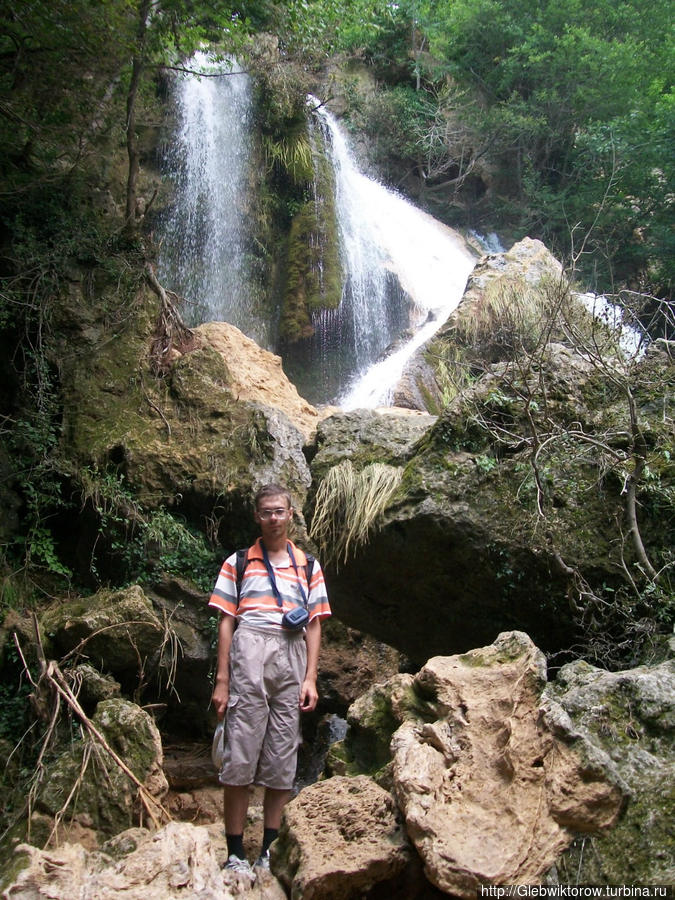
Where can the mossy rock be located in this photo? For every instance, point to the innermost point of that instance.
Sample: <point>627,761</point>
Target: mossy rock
<point>630,715</point>
<point>372,720</point>
<point>93,789</point>
<point>484,541</point>
<point>313,271</point>
<point>117,631</point>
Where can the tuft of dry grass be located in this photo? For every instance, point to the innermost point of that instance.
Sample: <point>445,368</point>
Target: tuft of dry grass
<point>348,505</point>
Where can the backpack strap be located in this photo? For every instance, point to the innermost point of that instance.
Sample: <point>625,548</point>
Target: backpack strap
<point>308,568</point>
<point>242,562</point>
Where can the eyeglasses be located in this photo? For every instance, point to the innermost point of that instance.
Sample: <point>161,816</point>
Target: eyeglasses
<point>280,513</point>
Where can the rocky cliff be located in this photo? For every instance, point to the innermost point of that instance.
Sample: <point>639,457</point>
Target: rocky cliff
<point>529,515</point>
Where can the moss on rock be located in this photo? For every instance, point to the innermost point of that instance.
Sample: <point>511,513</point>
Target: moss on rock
<point>314,277</point>
<point>88,786</point>
<point>630,715</point>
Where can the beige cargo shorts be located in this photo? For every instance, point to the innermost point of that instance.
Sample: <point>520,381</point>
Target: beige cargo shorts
<point>262,724</point>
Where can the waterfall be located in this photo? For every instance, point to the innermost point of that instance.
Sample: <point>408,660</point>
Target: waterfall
<point>204,238</point>
<point>404,272</point>
<point>383,235</point>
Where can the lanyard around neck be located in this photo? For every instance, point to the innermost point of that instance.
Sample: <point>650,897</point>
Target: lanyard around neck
<point>270,572</point>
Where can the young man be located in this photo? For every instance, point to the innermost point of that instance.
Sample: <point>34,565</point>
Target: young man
<point>266,672</point>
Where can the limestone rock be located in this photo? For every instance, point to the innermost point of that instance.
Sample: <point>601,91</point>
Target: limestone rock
<point>118,631</point>
<point>339,839</point>
<point>372,719</point>
<point>417,387</point>
<point>493,779</point>
<point>365,436</point>
<point>464,532</point>
<point>631,716</point>
<point>87,782</point>
<point>527,261</point>
<point>90,686</point>
<point>490,794</point>
<point>256,375</point>
<point>189,441</point>
<point>527,266</point>
<point>177,861</point>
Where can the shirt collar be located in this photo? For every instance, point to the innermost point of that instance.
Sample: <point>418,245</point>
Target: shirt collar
<point>255,552</point>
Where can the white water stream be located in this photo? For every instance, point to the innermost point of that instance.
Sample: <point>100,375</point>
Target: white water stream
<point>203,253</point>
<point>382,233</point>
<point>405,272</point>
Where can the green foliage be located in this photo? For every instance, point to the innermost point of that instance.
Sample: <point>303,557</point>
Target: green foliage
<point>569,103</point>
<point>135,544</point>
<point>52,106</point>
<point>375,27</point>
<point>485,463</point>
<point>580,110</point>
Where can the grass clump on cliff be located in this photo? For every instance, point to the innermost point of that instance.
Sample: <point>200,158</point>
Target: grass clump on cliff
<point>348,505</point>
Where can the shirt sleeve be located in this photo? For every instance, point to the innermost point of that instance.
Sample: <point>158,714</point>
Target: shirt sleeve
<point>318,599</point>
<point>224,596</point>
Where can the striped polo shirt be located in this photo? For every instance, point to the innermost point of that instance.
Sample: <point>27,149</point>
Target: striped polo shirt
<point>257,604</point>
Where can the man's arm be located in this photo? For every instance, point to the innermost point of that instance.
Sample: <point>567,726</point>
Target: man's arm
<point>308,693</point>
<point>221,688</point>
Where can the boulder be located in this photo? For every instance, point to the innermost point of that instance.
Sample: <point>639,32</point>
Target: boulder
<point>491,794</point>
<point>197,438</point>
<point>474,541</point>
<point>491,776</point>
<point>372,719</point>
<point>90,686</point>
<point>89,788</point>
<point>180,860</point>
<point>117,631</point>
<point>517,275</point>
<point>365,436</point>
<point>256,375</point>
<point>631,716</point>
<point>418,388</point>
<point>341,839</point>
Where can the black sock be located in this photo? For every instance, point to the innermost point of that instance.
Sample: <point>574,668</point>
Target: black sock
<point>269,835</point>
<point>235,845</point>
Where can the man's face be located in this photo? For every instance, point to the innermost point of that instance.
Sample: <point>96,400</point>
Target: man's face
<point>273,515</point>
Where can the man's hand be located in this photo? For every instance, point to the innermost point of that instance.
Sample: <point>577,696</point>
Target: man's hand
<point>220,698</point>
<point>309,695</point>
<point>221,689</point>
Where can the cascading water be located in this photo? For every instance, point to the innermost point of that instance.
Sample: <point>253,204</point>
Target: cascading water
<point>203,240</point>
<point>402,268</point>
<point>382,235</point>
